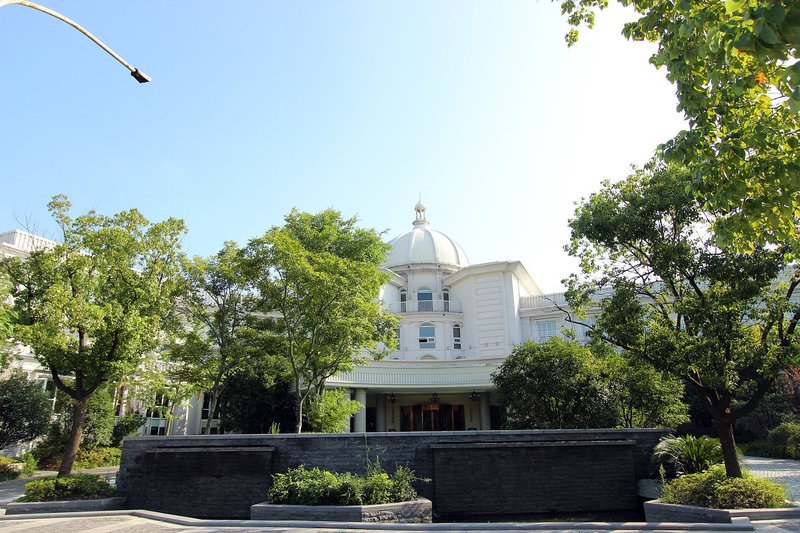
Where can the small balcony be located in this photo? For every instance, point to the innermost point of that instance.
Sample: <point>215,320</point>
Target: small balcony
<point>425,306</point>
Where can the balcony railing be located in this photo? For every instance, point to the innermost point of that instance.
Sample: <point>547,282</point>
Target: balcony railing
<point>425,306</point>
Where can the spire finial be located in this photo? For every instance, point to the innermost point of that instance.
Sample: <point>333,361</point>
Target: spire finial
<point>420,209</point>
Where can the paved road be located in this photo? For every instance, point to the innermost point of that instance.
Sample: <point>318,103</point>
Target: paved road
<point>783,471</point>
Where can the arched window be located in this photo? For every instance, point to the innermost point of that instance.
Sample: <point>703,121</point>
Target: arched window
<point>427,357</point>
<point>425,300</point>
<point>446,299</point>
<point>403,298</point>
<point>456,336</point>
<point>427,336</point>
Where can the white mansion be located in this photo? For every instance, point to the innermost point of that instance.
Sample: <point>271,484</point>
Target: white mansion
<point>458,323</point>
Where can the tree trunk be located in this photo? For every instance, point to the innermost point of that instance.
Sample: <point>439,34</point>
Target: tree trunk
<point>725,429</point>
<point>298,427</point>
<point>75,434</point>
<point>212,407</point>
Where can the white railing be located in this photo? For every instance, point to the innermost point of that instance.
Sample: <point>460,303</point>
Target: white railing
<point>425,306</point>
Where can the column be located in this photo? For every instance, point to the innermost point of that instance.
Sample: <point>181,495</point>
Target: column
<point>380,412</point>
<point>486,414</point>
<point>361,415</point>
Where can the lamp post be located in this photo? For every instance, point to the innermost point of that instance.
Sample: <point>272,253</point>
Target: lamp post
<point>138,75</point>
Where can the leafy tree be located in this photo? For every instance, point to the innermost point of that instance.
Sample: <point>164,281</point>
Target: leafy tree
<point>557,384</point>
<point>319,279</point>
<point>255,403</point>
<point>642,395</point>
<point>24,409</point>
<point>723,321</point>
<point>90,306</point>
<point>330,411</point>
<point>734,67</point>
<point>217,304</point>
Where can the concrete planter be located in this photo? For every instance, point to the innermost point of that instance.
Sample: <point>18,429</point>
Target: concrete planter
<point>656,511</point>
<point>416,512</point>
<point>67,506</point>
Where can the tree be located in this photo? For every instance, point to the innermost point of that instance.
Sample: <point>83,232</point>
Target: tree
<point>93,304</point>
<point>557,384</point>
<point>217,304</point>
<point>723,321</point>
<point>734,67</point>
<point>24,409</point>
<point>319,279</point>
<point>330,411</point>
<point>252,402</point>
<point>643,396</point>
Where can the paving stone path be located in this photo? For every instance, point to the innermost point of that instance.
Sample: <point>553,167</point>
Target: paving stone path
<point>783,471</point>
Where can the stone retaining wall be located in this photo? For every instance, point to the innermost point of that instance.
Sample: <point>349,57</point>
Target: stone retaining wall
<point>205,476</point>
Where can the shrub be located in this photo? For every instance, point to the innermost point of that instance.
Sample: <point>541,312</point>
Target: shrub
<point>126,426</point>
<point>714,489</point>
<point>686,455</point>
<point>762,448</point>
<point>24,409</point>
<point>77,487</point>
<point>786,438</point>
<point>49,457</point>
<point>301,486</point>
<point>13,468</point>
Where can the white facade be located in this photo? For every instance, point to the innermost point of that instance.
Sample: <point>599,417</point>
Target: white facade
<point>457,323</point>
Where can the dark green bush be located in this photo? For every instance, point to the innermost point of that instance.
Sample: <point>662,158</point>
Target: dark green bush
<point>714,489</point>
<point>77,487</point>
<point>301,486</point>
<point>126,426</point>
<point>686,455</point>
<point>762,448</point>
<point>786,438</point>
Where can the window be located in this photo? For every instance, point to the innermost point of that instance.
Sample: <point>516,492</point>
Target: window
<point>456,336</point>
<point>403,298</point>
<point>446,299</point>
<point>545,330</point>
<point>397,337</point>
<point>425,300</point>
<point>427,336</point>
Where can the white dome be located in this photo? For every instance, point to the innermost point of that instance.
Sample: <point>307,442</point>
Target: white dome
<point>424,245</point>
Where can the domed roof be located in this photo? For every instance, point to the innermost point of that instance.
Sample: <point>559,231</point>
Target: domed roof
<point>425,245</point>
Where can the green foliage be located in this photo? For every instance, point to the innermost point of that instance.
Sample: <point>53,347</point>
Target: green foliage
<point>49,457</point>
<point>77,487</point>
<point>301,486</point>
<point>786,439</point>
<point>24,409</point>
<point>330,411</point>
<point>319,278</point>
<point>127,426</point>
<point>251,402</point>
<point>91,305</point>
<point>13,468</point>
<point>762,448</point>
<point>553,385</point>
<point>714,489</point>
<point>738,85</point>
<point>217,302</point>
<point>678,456</point>
<point>720,320</point>
<point>775,408</point>
<point>563,384</point>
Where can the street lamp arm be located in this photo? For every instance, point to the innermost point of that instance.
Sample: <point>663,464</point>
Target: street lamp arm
<point>141,77</point>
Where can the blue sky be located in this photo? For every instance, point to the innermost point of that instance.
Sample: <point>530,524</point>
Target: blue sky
<point>257,107</point>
